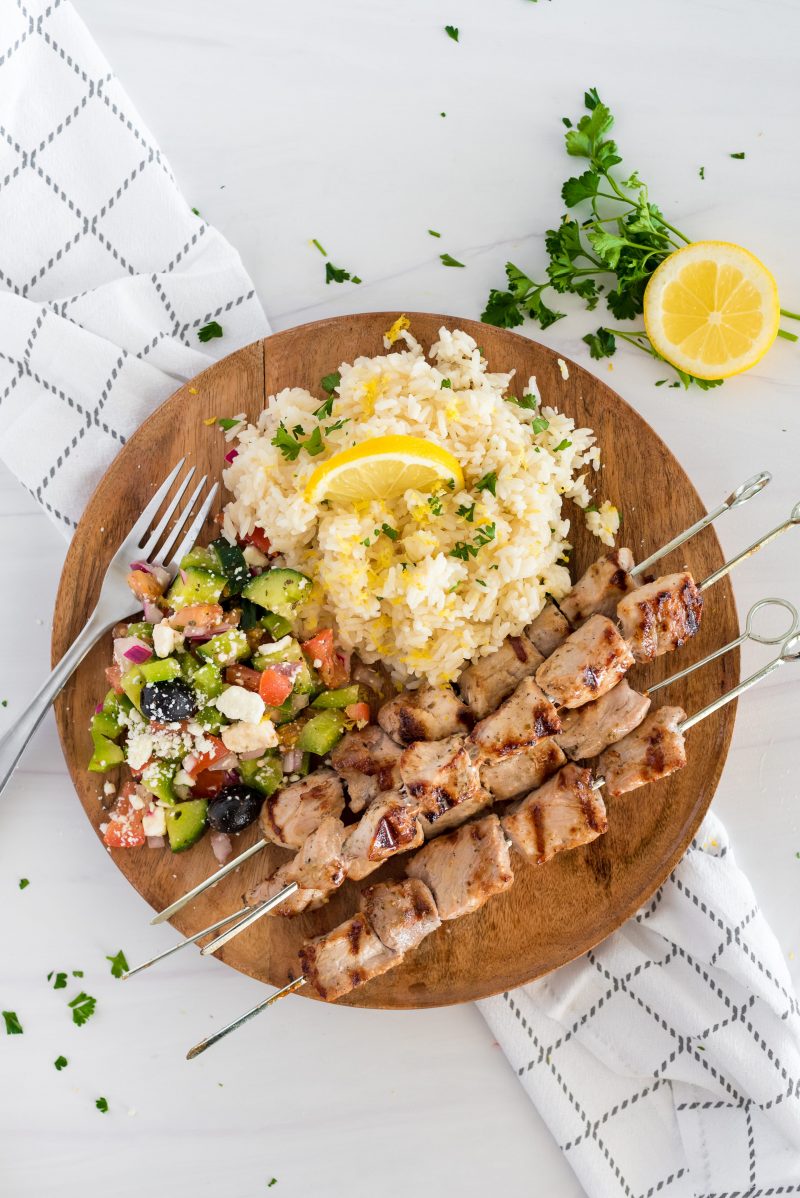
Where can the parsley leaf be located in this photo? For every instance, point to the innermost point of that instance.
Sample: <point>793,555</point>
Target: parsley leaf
<point>337,424</point>
<point>273,1181</point>
<point>337,274</point>
<point>565,444</point>
<point>391,533</point>
<point>331,381</point>
<point>320,247</point>
<point>529,402</point>
<point>445,383</point>
<point>226,423</point>
<point>467,512</point>
<point>485,534</point>
<point>209,331</point>
<point>102,1104</point>
<point>433,233</point>
<point>540,425</point>
<point>741,154</point>
<point>325,409</point>
<point>118,964</point>
<point>61,980</point>
<point>288,445</point>
<point>314,444</point>
<point>602,344</point>
<point>702,172</point>
<point>449,260</point>
<point>13,1025</point>
<point>60,1063</point>
<point>435,504</point>
<point>452,32</point>
<point>23,882</point>
<point>83,1006</point>
<point>487,483</point>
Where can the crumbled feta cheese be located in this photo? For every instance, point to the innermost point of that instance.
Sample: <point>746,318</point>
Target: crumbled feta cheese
<point>137,802</point>
<point>138,749</point>
<point>237,703</point>
<point>154,821</point>
<point>254,557</point>
<point>165,639</point>
<point>247,738</point>
<point>109,788</point>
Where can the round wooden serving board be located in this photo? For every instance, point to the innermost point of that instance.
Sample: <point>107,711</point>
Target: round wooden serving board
<point>552,913</point>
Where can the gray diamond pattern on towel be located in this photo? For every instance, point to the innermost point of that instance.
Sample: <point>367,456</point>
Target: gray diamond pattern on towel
<point>105,272</point>
<point>667,1060</point>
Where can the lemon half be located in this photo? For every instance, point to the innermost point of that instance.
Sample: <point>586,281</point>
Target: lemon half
<point>712,309</point>
<point>383,468</point>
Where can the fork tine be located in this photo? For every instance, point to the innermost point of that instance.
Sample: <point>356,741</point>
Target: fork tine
<point>142,524</point>
<point>180,520</point>
<point>193,531</point>
<point>152,540</point>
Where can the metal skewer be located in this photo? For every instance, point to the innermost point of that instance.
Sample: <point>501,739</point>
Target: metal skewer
<point>748,634</point>
<point>221,873</point>
<point>185,942</point>
<point>792,521</point>
<point>741,495</point>
<point>790,652</point>
<point>252,914</point>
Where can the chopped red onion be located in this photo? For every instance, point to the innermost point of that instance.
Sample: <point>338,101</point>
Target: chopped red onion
<point>155,842</point>
<point>229,762</point>
<point>152,612</point>
<point>98,709</point>
<point>292,761</point>
<point>204,634</point>
<point>184,579</point>
<point>231,454</point>
<point>138,653</point>
<point>123,647</point>
<point>221,846</point>
<point>231,778</point>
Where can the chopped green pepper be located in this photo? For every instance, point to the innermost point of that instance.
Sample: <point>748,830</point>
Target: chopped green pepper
<point>322,732</point>
<point>265,774</point>
<point>161,669</point>
<point>106,754</point>
<point>226,648</point>
<point>338,698</point>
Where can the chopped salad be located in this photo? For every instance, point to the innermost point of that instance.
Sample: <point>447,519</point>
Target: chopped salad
<point>215,697</point>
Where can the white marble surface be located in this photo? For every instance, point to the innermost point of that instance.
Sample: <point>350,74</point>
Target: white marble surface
<point>290,121</point>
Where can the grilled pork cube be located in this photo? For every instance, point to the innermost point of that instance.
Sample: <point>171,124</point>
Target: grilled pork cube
<point>388,826</point>
<point>367,759</point>
<point>319,864</point>
<point>588,730</point>
<point>301,900</point>
<point>456,815</point>
<point>490,679</point>
<point>590,662</point>
<point>402,914</point>
<point>549,630</point>
<point>297,810</point>
<point>425,714</point>
<point>524,772</point>
<point>661,616</point>
<point>560,815</point>
<point>465,868</point>
<point>347,957</point>
<point>522,721</point>
<point>600,589</point>
<point>439,774</point>
<point>654,750</point>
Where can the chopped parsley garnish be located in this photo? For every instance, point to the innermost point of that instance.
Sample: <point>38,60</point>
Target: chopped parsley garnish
<point>741,154</point>
<point>565,444</point>
<point>61,980</point>
<point>487,483</point>
<point>23,882</point>
<point>480,582</point>
<point>442,114</point>
<point>391,533</point>
<point>118,964</point>
<point>451,31</point>
<point>702,172</point>
<point>288,445</point>
<point>13,1025</point>
<point>464,550</point>
<point>591,508</point>
<point>332,428</point>
<point>540,424</point>
<point>337,274</point>
<point>602,344</point>
<point>321,248</point>
<point>331,381</point>
<point>77,973</point>
<point>226,423</point>
<point>209,331</point>
<point>449,260</point>
<point>60,1063</point>
<point>467,512</point>
<point>435,504</point>
<point>433,232</point>
<point>485,534</point>
<point>445,384</point>
<point>314,444</point>
<point>325,409</point>
<point>83,1006</point>
<point>102,1104</point>
<point>196,211</point>
<point>273,1181</point>
<point>298,431</point>
<point>529,402</point>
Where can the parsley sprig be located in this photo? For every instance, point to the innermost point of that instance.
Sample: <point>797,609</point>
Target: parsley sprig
<point>609,249</point>
<point>465,549</point>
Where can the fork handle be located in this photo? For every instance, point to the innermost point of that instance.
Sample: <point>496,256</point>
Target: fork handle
<point>18,735</point>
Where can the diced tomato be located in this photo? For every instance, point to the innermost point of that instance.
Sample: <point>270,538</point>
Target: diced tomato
<point>358,712</point>
<point>260,539</point>
<point>208,783</point>
<point>195,763</point>
<point>277,684</point>
<point>333,667</point>
<point>114,678</point>
<point>124,829</point>
<point>243,676</point>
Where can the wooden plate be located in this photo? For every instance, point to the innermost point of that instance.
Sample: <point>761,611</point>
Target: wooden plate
<point>552,913</point>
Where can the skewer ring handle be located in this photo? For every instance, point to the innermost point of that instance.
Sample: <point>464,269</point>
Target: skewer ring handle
<point>776,638</point>
<point>748,490</point>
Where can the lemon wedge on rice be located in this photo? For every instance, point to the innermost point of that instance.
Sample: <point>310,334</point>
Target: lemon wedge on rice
<point>383,468</point>
<point>712,309</point>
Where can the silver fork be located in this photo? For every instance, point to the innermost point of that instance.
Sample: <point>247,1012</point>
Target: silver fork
<point>115,599</point>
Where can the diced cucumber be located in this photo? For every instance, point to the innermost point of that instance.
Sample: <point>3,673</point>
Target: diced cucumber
<point>115,705</point>
<point>280,591</point>
<point>132,683</point>
<point>265,774</point>
<point>230,560</point>
<point>251,615</point>
<point>195,586</point>
<point>322,732</point>
<point>288,710</point>
<point>161,669</point>
<point>201,558</point>
<point>106,754</point>
<point>207,681</point>
<point>210,719</point>
<point>186,823</point>
<point>188,663</point>
<point>159,778</point>
<point>142,629</point>
<point>106,724</point>
<point>286,650</point>
<point>226,648</point>
<point>277,626</point>
<point>338,698</point>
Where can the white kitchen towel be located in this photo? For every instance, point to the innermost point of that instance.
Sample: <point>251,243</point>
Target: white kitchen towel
<point>667,1060</point>
<point>106,273</point>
